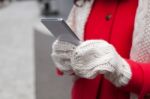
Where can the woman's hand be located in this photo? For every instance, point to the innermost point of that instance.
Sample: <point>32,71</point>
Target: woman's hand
<point>61,54</point>
<point>95,57</point>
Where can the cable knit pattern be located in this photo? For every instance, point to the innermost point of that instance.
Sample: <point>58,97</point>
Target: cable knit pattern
<point>94,57</point>
<point>140,50</point>
<point>61,54</point>
<point>78,17</point>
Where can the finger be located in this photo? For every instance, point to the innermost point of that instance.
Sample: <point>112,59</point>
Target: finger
<point>62,55</point>
<point>64,46</point>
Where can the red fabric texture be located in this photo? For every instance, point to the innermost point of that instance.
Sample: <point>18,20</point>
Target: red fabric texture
<point>118,31</point>
<point>59,72</point>
<point>140,82</point>
<point>136,83</point>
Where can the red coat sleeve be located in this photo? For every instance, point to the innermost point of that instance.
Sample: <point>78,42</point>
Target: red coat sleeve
<point>58,72</point>
<point>140,80</point>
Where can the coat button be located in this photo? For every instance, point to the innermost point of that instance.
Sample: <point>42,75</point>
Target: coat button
<point>108,17</point>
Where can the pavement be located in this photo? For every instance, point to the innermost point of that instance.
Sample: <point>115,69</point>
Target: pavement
<point>17,50</point>
<point>26,69</point>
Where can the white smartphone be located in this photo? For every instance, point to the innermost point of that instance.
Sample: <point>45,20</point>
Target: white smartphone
<point>60,30</point>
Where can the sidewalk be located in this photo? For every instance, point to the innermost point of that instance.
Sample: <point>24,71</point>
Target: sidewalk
<point>16,50</point>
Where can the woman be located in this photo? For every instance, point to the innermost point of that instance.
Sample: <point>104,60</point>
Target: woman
<point>113,59</point>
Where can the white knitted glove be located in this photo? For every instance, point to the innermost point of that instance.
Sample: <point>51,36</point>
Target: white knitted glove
<point>94,57</point>
<point>61,54</point>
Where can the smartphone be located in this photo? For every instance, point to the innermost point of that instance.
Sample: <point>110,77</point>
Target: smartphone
<point>60,30</point>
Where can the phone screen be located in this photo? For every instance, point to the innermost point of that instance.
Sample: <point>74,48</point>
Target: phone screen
<point>60,30</point>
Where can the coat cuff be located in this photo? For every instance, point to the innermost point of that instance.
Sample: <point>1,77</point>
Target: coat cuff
<point>58,72</point>
<point>136,82</point>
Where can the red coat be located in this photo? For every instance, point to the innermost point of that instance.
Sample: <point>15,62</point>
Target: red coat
<point>113,21</point>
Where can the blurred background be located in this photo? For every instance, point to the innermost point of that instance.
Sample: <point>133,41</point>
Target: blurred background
<point>26,69</point>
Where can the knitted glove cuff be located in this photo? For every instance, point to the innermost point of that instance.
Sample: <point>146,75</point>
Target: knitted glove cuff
<point>98,57</point>
<point>122,74</point>
<point>86,60</point>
